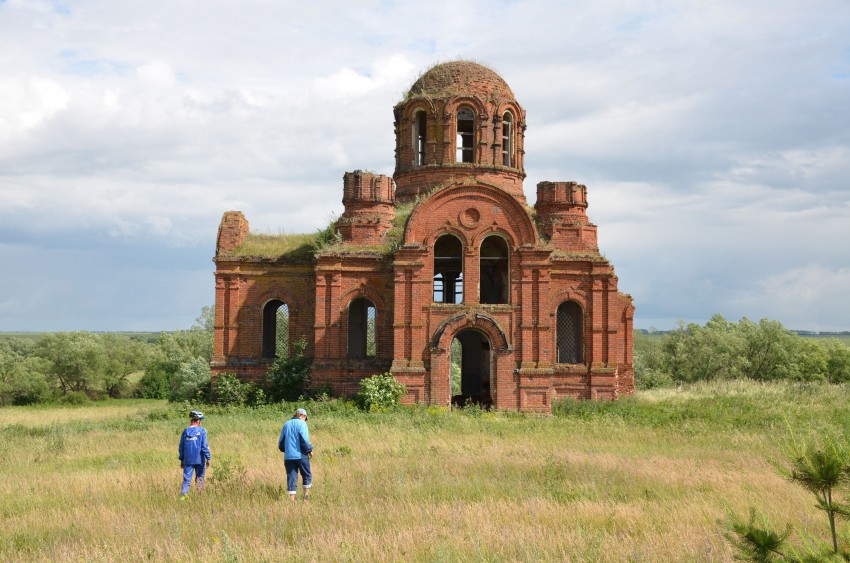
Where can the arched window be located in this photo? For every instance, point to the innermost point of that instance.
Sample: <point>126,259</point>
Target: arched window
<point>494,284</point>
<point>508,139</point>
<point>420,138</point>
<point>448,270</point>
<point>570,343</point>
<point>362,316</point>
<point>276,329</point>
<point>465,135</point>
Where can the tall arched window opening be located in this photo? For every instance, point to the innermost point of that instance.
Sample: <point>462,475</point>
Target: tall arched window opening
<point>569,333</point>
<point>420,138</point>
<point>276,329</point>
<point>508,139</point>
<point>362,316</point>
<point>471,358</point>
<point>465,135</point>
<point>494,284</point>
<point>448,270</point>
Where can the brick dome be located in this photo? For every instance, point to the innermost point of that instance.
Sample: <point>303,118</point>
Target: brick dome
<point>461,78</point>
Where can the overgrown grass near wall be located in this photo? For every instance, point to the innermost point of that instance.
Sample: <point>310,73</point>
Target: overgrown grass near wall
<point>644,479</point>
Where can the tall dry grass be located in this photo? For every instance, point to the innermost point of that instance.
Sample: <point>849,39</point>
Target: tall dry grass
<point>612,484</point>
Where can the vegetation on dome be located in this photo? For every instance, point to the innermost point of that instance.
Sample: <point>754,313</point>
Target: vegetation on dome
<point>453,78</point>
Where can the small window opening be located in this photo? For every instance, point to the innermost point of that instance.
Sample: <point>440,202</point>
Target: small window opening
<point>494,270</point>
<point>448,270</point>
<point>362,317</point>
<point>420,138</point>
<point>507,140</point>
<point>465,135</point>
<point>569,333</point>
<point>276,329</point>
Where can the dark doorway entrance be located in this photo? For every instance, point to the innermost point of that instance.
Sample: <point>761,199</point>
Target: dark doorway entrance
<point>470,369</point>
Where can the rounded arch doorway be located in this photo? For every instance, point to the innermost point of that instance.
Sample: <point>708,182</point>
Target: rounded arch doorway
<point>470,369</point>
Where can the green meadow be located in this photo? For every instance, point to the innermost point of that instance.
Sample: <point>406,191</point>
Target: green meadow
<point>649,478</point>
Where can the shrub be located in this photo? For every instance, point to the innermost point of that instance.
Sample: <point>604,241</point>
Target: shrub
<point>227,473</point>
<point>191,381</point>
<point>229,390</point>
<point>838,361</point>
<point>155,383</point>
<point>288,378</point>
<point>652,379</point>
<point>380,392</point>
<point>754,541</point>
<point>75,398</point>
<point>22,383</point>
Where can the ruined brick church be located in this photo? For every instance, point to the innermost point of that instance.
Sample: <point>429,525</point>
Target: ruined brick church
<point>442,274</point>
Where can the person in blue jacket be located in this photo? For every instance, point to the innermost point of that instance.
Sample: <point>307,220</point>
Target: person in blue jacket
<point>297,451</point>
<point>194,452</point>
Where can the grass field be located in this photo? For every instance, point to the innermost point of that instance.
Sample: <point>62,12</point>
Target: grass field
<point>643,479</point>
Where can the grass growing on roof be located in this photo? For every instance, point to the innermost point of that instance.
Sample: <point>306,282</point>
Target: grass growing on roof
<point>295,247</point>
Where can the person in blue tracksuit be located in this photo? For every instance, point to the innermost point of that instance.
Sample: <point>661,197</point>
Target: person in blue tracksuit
<point>194,452</point>
<point>297,450</point>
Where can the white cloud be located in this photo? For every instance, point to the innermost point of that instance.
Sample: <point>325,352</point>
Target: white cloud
<point>714,138</point>
<point>156,75</point>
<point>811,297</point>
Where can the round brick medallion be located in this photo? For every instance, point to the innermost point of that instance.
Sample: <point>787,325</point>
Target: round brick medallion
<point>469,218</point>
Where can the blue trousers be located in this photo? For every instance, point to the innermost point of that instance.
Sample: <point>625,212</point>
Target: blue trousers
<point>199,471</point>
<point>293,467</point>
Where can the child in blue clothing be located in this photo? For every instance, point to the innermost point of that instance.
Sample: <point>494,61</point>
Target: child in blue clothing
<point>194,452</point>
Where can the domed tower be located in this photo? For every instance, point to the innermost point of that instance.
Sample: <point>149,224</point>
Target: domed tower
<point>459,120</point>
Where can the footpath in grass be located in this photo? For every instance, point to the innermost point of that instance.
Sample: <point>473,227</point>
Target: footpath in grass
<point>647,478</point>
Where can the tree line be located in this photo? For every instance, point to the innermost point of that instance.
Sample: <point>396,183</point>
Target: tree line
<point>762,351</point>
<point>75,367</point>
<point>79,366</point>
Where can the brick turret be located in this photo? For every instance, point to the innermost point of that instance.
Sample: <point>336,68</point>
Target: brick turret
<point>231,232</point>
<point>369,211</point>
<point>561,212</point>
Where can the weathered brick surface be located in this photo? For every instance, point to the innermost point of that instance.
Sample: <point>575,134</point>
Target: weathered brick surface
<point>369,211</point>
<point>553,257</point>
<point>440,93</point>
<point>231,232</point>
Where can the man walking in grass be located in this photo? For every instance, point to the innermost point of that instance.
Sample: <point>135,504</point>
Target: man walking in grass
<point>297,450</point>
<point>194,453</point>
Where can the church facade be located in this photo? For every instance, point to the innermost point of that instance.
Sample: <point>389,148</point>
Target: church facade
<point>442,274</point>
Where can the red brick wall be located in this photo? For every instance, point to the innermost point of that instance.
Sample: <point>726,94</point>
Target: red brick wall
<point>470,201</point>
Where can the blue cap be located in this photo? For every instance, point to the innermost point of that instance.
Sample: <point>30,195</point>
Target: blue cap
<point>302,411</point>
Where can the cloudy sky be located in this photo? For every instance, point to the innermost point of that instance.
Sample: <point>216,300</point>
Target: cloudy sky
<point>714,138</point>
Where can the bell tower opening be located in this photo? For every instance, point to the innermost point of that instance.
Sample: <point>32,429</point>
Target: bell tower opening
<point>470,369</point>
<point>465,135</point>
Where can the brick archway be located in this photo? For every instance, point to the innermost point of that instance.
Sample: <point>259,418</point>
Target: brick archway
<point>442,339</point>
<point>502,382</point>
